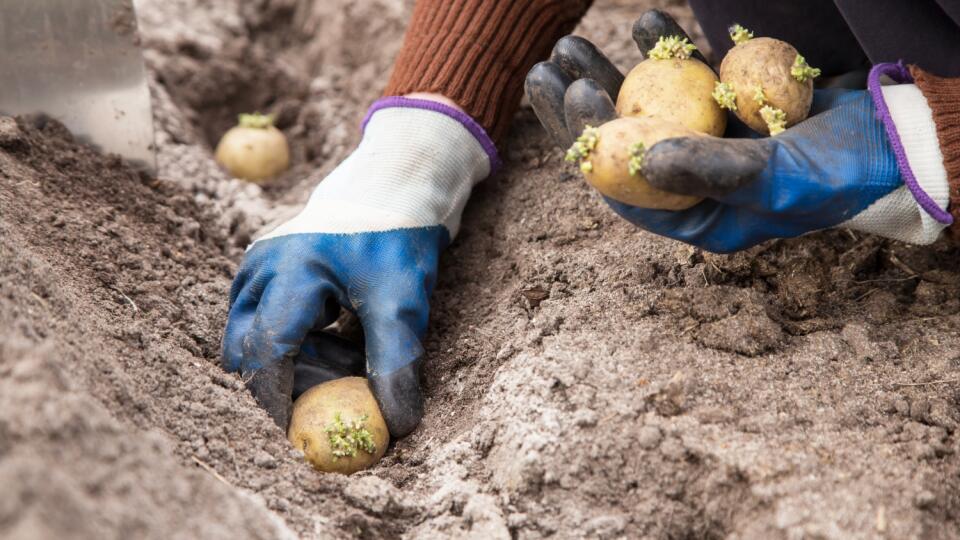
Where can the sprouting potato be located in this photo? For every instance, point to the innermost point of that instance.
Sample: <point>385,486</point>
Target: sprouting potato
<point>766,82</point>
<point>611,157</point>
<point>254,149</point>
<point>667,95</point>
<point>339,427</point>
<point>671,85</point>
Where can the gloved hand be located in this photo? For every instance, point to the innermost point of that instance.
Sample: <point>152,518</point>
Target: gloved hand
<point>837,168</point>
<point>368,240</point>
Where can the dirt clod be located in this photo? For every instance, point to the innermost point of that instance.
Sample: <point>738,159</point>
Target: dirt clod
<point>10,134</point>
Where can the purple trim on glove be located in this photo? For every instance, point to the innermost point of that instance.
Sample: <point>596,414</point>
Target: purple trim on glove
<point>472,126</point>
<point>900,74</point>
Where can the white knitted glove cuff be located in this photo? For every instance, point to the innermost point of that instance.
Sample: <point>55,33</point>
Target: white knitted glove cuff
<point>414,167</point>
<point>898,215</point>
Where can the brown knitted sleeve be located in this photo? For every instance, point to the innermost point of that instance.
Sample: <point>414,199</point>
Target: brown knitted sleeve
<point>943,96</point>
<point>478,52</point>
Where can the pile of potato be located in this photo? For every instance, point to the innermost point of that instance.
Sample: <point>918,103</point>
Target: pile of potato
<point>764,81</point>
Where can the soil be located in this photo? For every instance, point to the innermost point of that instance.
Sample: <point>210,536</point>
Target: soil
<point>583,378</point>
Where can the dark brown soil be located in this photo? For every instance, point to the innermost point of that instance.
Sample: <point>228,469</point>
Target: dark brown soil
<point>584,378</point>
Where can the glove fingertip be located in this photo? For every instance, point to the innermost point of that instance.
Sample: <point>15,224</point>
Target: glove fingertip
<point>231,350</point>
<point>704,166</point>
<point>645,30</point>
<point>545,87</point>
<point>587,103</point>
<point>653,25</point>
<point>272,387</point>
<point>581,59</point>
<point>400,398</point>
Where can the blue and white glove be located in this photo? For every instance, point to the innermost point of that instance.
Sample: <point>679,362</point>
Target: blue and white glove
<point>368,240</point>
<point>868,161</point>
<point>846,166</point>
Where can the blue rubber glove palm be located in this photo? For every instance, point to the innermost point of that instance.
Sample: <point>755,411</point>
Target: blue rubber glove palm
<point>368,240</point>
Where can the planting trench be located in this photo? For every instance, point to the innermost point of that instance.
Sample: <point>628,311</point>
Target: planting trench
<point>584,378</point>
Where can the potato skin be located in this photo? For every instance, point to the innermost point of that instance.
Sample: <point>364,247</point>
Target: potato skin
<point>317,408</point>
<point>255,154</point>
<point>677,90</point>
<point>766,62</point>
<point>610,158</point>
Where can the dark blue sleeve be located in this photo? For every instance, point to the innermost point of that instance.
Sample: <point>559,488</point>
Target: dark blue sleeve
<point>921,32</point>
<point>952,9</point>
<point>815,27</point>
<point>840,36</point>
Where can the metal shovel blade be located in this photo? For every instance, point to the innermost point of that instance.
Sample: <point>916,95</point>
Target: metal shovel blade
<point>79,61</point>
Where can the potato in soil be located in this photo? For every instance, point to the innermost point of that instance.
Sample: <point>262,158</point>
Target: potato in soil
<point>612,164</point>
<point>761,67</point>
<point>254,149</point>
<point>675,89</point>
<point>339,427</point>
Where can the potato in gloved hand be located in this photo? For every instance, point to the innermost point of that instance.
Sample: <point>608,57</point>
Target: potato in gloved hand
<point>667,95</point>
<point>766,82</point>
<point>672,85</point>
<point>611,159</point>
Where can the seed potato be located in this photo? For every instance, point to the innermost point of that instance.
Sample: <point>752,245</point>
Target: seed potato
<point>614,154</point>
<point>339,427</point>
<point>254,149</point>
<point>761,73</point>
<point>676,89</point>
